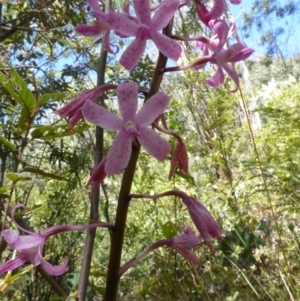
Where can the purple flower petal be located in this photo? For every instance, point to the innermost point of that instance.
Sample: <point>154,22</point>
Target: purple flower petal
<point>11,236</point>
<point>122,24</point>
<point>89,30</point>
<point>221,30</point>
<point>23,241</point>
<point>205,15</point>
<point>128,100</point>
<point>54,270</point>
<point>217,79</point>
<point>101,116</point>
<point>12,264</point>
<point>105,41</point>
<point>233,74</point>
<point>119,154</point>
<point>164,14</point>
<point>142,10</point>
<point>241,52</point>
<point>155,145</point>
<point>187,254</point>
<point>167,46</point>
<point>155,106</point>
<point>133,53</point>
<point>94,5</point>
<point>203,220</point>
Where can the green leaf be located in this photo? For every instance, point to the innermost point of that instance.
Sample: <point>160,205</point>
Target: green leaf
<point>169,229</point>
<point>42,131</point>
<point>16,177</point>
<point>51,97</point>
<point>7,144</point>
<point>44,174</point>
<point>4,188</point>
<point>18,89</point>
<point>49,132</point>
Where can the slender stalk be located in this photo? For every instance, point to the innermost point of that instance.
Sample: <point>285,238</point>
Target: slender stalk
<point>277,227</point>
<point>94,209</point>
<point>112,281</point>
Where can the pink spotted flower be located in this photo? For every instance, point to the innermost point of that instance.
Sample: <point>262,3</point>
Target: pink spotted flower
<point>143,28</point>
<point>130,125</point>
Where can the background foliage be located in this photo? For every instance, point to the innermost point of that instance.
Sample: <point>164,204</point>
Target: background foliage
<point>250,185</point>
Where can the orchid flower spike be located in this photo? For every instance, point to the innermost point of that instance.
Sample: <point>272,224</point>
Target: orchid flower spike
<point>72,110</point>
<point>130,125</point>
<point>100,27</point>
<point>30,247</point>
<point>182,243</point>
<point>143,28</point>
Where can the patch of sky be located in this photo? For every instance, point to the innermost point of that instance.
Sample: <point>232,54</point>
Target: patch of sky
<point>275,32</point>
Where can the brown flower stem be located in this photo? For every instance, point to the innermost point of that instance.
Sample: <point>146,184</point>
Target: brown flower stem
<point>95,198</point>
<point>118,232</point>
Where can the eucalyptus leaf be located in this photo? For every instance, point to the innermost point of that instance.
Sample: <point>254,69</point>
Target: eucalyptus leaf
<point>7,144</point>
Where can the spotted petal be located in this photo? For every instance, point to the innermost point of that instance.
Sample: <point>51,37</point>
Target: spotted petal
<point>133,53</point>
<point>142,10</point>
<point>155,106</point>
<point>119,154</point>
<point>122,24</point>
<point>164,14</point>
<point>166,46</point>
<point>101,116</point>
<point>155,145</point>
<point>89,30</point>
<point>128,100</point>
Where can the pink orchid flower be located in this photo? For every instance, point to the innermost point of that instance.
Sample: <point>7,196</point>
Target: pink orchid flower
<point>235,1</point>
<point>72,110</point>
<point>130,125</point>
<point>182,243</point>
<point>100,27</point>
<point>203,221</point>
<point>223,57</point>
<point>205,15</point>
<point>30,247</point>
<point>143,27</point>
